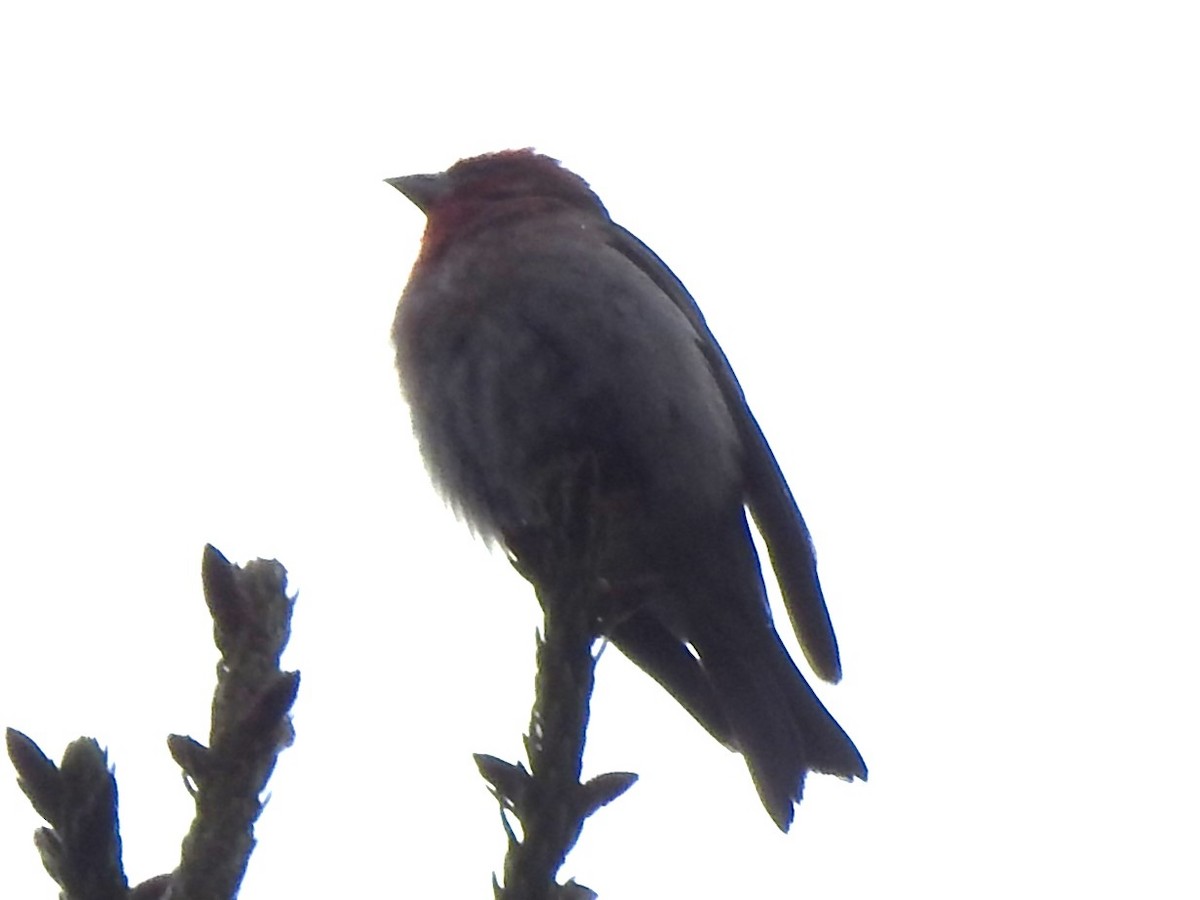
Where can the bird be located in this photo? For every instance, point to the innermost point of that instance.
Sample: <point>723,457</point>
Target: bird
<point>533,332</point>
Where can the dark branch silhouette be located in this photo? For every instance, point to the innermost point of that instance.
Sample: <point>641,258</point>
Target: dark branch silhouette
<point>81,849</point>
<point>547,799</point>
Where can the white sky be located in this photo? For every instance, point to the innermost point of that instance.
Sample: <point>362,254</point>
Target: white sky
<point>951,250</point>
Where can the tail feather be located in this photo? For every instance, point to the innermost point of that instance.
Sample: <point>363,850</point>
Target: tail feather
<point>743,687</point>
<point>790,548</point>
<point>778,723</point>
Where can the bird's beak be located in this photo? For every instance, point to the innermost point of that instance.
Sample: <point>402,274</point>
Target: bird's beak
<point>422,190</point>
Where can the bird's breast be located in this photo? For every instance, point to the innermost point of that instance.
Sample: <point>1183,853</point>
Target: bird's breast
<point>521,357</point>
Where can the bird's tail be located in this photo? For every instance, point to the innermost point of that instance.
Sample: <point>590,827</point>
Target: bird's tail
<point>772,715</point>
<point>777,722</point>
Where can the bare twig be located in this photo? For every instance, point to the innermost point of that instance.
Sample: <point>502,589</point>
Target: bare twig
<point>81,849</point>
<point>250,726</point>
<point>547,799</point>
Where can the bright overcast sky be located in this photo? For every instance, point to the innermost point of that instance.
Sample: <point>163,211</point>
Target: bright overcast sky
<point>951,250</point>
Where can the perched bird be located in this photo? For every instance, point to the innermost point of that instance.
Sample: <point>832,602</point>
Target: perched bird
<point>534,332</point>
